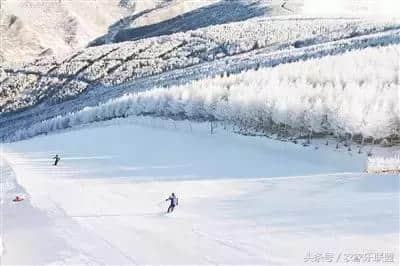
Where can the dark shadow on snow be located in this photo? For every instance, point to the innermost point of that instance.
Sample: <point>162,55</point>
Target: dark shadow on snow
<point>220,13</point>
<point>119,25</point>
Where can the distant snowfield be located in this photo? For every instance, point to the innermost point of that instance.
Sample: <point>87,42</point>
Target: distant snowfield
<point>372,8</point>
<point>243,200</point>
<point>30,28</point>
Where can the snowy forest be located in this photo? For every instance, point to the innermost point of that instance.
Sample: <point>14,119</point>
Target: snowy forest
<point>354,95</point>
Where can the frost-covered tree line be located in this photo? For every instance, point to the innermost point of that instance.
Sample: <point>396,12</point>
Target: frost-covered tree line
<point>24,86</point>
<point>353,94</point>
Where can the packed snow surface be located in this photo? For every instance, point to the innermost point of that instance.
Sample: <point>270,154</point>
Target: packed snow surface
<point>242,200</point>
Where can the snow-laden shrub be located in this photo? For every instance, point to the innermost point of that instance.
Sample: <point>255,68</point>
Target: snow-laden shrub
<point>383,165</point>
<point>356,93</point>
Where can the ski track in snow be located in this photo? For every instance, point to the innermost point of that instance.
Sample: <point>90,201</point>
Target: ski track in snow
<point>225,216</point>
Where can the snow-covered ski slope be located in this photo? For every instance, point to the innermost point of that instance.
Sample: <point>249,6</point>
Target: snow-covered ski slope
<point>242,200</point>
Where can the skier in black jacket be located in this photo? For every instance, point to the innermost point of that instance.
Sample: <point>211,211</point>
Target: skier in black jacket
<point>57,159</point>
